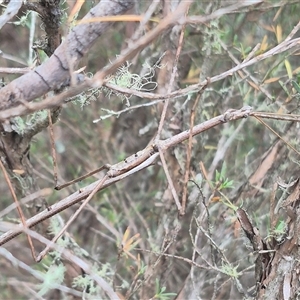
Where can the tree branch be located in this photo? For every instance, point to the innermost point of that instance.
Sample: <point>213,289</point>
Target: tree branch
<point>163,145</point>
<point>56,70</point>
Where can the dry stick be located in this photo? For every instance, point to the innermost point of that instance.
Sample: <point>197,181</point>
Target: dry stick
<point>14,70</point>
<point>96,82</point>
<point>169,179</point>
<point>20,212</point>
<point>146,17</point>
<point>53,152</point>
<point>163,145</point>
<point>248,74</point>
<point>189,151</point>
<point>286,142</point>
<point>62,186</point>
<point>163,116</point>
<point>99,77</point>
<point>276,116</point>
<point>183,204</point>
<point>174,71</point>
<point>187,260</point>
<point>132,50</point>
<point>84,203</point>
<point>119,168</point>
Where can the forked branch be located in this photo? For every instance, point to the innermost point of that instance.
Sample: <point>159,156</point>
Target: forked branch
<point>116,174</point>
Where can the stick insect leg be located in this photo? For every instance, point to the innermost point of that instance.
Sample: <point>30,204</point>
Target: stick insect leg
<point>53,151</point>
<point>19,208</point>
<point>61,186</point>
<point>169,179</point>
<point>84,203</point>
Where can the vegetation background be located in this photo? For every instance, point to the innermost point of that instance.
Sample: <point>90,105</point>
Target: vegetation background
<point>130,242</point>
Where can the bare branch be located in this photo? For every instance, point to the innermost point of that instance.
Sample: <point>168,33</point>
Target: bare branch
<point>11,10</point>
<point>56,70</point>
<point>163,145</point>
<point>57,100</point>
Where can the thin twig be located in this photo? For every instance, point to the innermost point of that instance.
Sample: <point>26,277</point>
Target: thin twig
<point>173,74</point>
<point>19,209</point>
<point>14,70</point>
<point>187,260</point>
<point>84,193</point>
<point>57,100</point>
<point>169,179</point>
<point>53,152</point>
<point>62,186</point>
<point>84,203</point>
<point>189,151</point>
<point>147,15</point>
<point>286,142</point>
<point>276,116</point>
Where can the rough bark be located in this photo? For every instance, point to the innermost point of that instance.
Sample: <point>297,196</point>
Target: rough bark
<point>58,68</point>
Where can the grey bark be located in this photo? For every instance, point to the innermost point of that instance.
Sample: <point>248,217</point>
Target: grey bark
<point>56,70</point>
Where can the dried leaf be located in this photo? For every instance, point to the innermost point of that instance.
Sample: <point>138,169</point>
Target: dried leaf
<point>76,8</point>
<point>245,223</point>
<point>288,68</point>
<point>279,33</point>
<point>273,79</point>
<point>259,176</point>
<point>19,171</point>
<point>264,45</point>
<point>294,196</point>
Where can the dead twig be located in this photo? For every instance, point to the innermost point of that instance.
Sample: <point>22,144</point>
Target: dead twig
<point>19,209</point>
<point>163,145</point>
<point>189,150</point>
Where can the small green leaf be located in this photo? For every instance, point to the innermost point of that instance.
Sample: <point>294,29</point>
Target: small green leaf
<point>296,86</point>
<point>223,170</point>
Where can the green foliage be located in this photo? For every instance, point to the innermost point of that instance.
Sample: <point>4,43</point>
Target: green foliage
<point>160,292</point>
<point>142,268</point>
<point>230,270</point>
<point>20,125</point>
<point>88,285</point>
<point>123,79</point>
<point>85,98</point>
<point>23,20</point>
<point>85,283</point>
<point>279,231</point>
<point>220,179</point>
<point>296,86</point>
<point>53,277</point>
<point>243,51</point>
<point>212,34</point>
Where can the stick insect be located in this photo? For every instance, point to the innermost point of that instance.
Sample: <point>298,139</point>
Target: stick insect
<point>134,163</point>
<point>112,171</point>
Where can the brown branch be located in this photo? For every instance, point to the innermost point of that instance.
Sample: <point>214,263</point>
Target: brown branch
<point>18,206</point>
<point>161,144</point>
<point>189,151</point>
<point>11,10</point>
<point>101,282</point>
<point>130,52</point>
<point>221,12</point>
<point>56,70</point>
<point>57,100</point>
